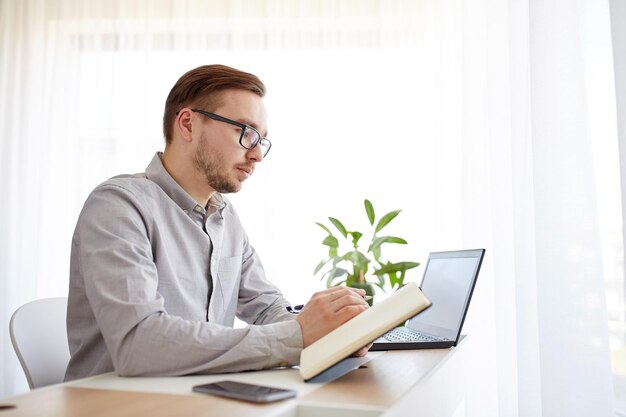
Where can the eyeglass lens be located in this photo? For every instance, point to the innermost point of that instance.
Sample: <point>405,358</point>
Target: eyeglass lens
<point>251,138</point>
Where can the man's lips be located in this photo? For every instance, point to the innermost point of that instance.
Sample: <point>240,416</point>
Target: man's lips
<point>247,171</point>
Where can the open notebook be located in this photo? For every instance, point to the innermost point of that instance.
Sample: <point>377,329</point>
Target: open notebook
<point>361,330</point>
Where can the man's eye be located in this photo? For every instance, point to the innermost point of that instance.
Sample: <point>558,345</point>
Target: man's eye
<point>249,137</point>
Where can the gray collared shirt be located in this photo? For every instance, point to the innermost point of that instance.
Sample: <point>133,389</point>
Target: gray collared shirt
<point>156,282</point>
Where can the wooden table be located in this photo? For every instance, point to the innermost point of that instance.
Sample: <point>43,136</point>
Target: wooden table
<point>391,384</point>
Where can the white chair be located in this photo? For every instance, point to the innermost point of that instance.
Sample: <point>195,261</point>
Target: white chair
<point>39,337</point>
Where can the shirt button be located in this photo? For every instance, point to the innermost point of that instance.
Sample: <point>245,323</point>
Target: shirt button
<point>197,209</point>
<point>186,211</point>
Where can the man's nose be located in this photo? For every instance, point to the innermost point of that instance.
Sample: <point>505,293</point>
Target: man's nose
<point>255,154</point>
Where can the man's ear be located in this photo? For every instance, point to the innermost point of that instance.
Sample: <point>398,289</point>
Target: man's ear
<point>183,124</point>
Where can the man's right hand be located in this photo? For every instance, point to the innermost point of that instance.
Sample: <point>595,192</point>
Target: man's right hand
<point>329,309</point>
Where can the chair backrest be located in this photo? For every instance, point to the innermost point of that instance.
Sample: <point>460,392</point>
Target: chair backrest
<point>39,336</point>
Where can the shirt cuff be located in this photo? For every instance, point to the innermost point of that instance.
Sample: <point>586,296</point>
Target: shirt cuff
<point>287,345</point>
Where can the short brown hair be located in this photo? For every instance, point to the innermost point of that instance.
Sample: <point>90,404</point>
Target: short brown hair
<point>201,86</point>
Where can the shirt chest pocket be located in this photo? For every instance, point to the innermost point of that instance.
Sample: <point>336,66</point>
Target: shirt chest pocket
<point>228,275</point>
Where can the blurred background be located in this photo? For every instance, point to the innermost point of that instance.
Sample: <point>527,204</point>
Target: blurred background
<point>490,123</point>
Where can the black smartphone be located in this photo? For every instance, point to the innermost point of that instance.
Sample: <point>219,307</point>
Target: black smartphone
<point>246,392</point>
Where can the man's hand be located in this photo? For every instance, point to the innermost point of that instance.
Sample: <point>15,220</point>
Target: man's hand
<point>329,309</point>
<point>363,351</point>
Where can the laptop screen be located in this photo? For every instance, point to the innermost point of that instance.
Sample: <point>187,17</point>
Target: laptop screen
<point>448,283</point>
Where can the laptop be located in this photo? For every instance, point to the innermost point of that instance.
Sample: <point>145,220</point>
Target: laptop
<point>448,282</point>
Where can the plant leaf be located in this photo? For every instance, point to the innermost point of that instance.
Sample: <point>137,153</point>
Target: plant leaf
<point>384,221</point>
<point>323,227</point>
<point>351,280</point>
<point>408,265</point>
<point>393,239</point>
<point>401,279</point>
<point>331,241</point>
<point>393,278</point>
<point>364,259</point>
<point>334,274</point>
<point>369,209</point>
<point>357,258</point>
<point>355,238</point>
<point>400,266</point>
<point>339,226</point>
<point>377,242</point>
<point>338,272</point>
<point>320,266</point>
<point>330,283</point>
<point>381,281</point>
<point>324,275</point>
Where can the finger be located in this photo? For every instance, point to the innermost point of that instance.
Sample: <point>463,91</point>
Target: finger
<point>346,300</point>
<point>327,292</point>
<point>331,290</point>
<point>343,291</point>
<point>323,297</point>
<point>361,352</point>
<point>348,312</point>
<point>360,291</point>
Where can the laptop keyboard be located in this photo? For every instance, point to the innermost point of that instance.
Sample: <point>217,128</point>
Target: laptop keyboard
<point>402,334</point>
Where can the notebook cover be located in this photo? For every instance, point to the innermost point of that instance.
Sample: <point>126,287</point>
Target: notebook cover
<point>361,330</point>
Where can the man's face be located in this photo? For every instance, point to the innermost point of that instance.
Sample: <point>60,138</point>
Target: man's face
<point>219,157</point>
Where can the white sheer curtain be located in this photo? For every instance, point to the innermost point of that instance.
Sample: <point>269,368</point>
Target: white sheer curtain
<point>617,295</point>
<point>488,122</point>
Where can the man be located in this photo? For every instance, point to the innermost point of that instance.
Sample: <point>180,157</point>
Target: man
<point>161,264</point>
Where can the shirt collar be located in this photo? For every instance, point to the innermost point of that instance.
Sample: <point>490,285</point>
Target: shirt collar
<point>157,173</point>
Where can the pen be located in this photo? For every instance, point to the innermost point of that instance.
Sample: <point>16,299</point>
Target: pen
<point>296,309</point>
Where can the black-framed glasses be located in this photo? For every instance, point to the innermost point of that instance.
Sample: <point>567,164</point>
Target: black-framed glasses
<point>249,138</point>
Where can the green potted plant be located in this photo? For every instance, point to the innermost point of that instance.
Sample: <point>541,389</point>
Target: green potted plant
<point>359,269</point>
